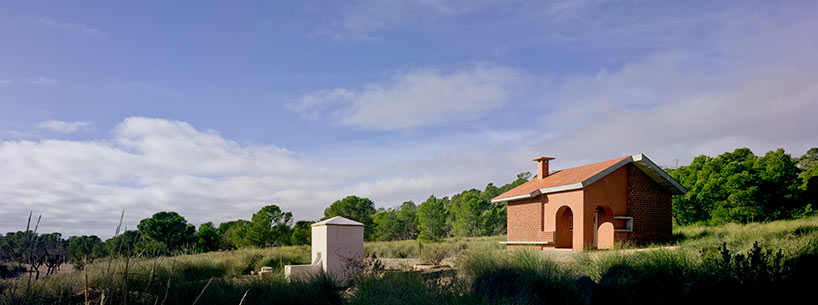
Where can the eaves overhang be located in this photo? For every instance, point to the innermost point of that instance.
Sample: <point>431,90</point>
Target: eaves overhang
<point>640,160</point>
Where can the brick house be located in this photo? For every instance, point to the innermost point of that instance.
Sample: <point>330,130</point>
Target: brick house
<point>592,206</point>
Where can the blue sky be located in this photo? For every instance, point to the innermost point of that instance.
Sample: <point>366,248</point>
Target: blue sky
<point>214,110</point>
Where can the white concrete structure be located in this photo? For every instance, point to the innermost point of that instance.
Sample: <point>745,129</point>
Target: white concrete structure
<point>332,240</point>
<point>302,271</point>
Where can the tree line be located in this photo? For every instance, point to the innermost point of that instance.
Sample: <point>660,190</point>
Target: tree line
<point>735,186</point>
<point>739,186</point>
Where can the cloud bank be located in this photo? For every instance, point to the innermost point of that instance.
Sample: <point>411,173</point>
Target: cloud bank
<point>149,165</point>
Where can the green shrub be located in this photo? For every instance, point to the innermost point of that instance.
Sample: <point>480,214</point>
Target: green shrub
<point>433,255</point>
<point>10,270</point>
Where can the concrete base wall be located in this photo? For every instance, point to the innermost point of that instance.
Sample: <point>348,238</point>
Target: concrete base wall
<point>301,272</point>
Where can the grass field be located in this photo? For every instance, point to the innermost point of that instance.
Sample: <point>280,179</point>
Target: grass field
<point>731,263</point>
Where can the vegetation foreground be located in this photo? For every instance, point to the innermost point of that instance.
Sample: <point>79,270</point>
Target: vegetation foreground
<point>752,263</point>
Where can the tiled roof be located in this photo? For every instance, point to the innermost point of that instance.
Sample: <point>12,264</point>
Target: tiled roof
<point>578,177</point>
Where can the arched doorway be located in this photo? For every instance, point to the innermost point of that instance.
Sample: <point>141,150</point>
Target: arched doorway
<point>563,235</point>
<point>603,228</point>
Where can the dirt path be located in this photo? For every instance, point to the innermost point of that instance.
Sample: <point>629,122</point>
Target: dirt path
<point>408,263</point>
<point>64,268</point>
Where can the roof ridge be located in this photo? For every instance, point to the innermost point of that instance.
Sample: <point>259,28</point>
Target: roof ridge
<point>580,176</point>
<point>338,221</point>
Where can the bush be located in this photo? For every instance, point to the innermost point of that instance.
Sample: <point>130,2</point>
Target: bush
<point>10,270</point>
<point>433,255</point>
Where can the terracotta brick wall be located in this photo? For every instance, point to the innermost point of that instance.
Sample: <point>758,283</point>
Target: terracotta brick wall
<point>650,206</point>
<point>525,222</point>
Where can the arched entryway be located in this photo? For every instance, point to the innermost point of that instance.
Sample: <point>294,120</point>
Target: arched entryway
<point>603,228</point>
<point>563,235</point>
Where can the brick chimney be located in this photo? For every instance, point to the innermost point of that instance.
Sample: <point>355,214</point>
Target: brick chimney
<point>542,166</point>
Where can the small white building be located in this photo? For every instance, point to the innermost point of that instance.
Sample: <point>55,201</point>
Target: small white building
<point>332,240</point>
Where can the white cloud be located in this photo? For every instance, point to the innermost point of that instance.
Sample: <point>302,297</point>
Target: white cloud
<point>415,98</point>
<point>41,81</point>
<point>37,81</point>
<point>63,126</point>
<point>67,26</point>
<point>150,165</point>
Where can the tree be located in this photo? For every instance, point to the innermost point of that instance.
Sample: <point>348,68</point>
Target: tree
<point>468,208</point>
<point>302,233</point>
<point>809,159</point>
<point>396,224</point>
<point>16,244</point>
<point>495,217</point>
<point>386,224</point>
<point>122,244</point>
<point>408,220</point>
<point>494,220</point>
<point>432,219</point>
<point>738,187</point>
<point>207,238</point>
<point>53,251</point>
<point>491,191</point>
<point>234,233</point>
<point>81,247</point>
<point>778,185</point>
<point>269,226</point>
<point>355,208</point>
<point>165,232</point>
<point>809,188</point>
<point>809,181</point>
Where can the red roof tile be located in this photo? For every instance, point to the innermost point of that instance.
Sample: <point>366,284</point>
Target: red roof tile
<point>560,178</point>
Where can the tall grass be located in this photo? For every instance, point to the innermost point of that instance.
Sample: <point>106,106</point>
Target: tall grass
<point>404,288</point>
<point>788,235</point>
<point>413,248</point>
<point>518,277</point>
<point>769,262</point>
<point>181,278</point>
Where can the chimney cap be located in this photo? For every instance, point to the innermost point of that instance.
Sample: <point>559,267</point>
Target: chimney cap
<point>540,159</point>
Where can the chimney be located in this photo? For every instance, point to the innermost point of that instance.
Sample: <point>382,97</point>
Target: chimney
<point>542,166</point>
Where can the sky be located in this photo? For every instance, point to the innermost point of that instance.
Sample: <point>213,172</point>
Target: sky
<point>214,110</point>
